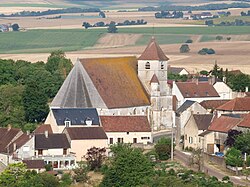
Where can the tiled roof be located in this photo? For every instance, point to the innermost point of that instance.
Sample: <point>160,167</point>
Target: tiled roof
<point>153,52</point>
<point>237,104</point>
<point>20,141</point>
<point>194,90</point>
<point>203,120</point>
<point>184,106</point>
<point>77,116</point>
<point>154,79</point>
<point>223,124</point>
<point>245,121</point>
<point>85,133</point>
<point>125,124</point>
<point>6,136</point>
<point>175,70</point>
<point>116,81</point>
<point>213,104</point>
<point>42,128</point>
<point>34,164</point>
<point>53,141</point>
<point>204,133</point>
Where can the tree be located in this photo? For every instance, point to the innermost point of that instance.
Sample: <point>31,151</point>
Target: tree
<point>184,48</point>
<point>80,173</point>
<point>204,72</point>
<point>128,167</point>
<point>209,22</point>
<point>197,158</point>
<point>231,137</point>
<point>163,148</point>
<point>219,37</point>
<point>95,157</point>
<point>242,142</point>
<point>112,27</point>
<point>15,27</point>
<point>233,157</point>
<point>229,38</point>
<point>86,25</point>
<point>189,41</point>
<point>102,14</point>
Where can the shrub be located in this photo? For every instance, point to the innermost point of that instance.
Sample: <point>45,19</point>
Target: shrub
<point>66,180</point>
<point>234,158</point>
<point>184,48</point>
<point>248,161</point>
<point>205,51</point>
<point>189,41</point>
<point>219,37</point>
<point>163,148</point>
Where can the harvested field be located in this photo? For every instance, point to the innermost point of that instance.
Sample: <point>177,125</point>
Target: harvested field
<point>117,40</point>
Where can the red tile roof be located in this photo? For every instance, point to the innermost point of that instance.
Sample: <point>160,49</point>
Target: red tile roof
<point>86,133</point>
<point>42,128</point>
<point>201,89</point>
<point>6,136</point>
<point>125,124</point>
<point>20,141</point>
<point>245,121</point>
<point>116,81</point>
<point>223,124</point>
<point>237,104</point>
<point>213,104</point>
<point>154,79</point>
<point>153,52</point>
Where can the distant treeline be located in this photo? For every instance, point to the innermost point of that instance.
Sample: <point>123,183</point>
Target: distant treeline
<point>194,8</point>
<point>237,22</point>
<point>245,13</point>
<point>50,12</point>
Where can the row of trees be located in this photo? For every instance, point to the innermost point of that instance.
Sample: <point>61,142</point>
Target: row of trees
<point>237,22</point>
<point>245,13</point>
<point>167,14</point>
<point>26,88</point>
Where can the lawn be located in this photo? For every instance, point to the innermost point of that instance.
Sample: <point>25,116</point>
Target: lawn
<point>48,40</point>
<point>164,39</point>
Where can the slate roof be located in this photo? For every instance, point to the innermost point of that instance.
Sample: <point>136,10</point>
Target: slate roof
<point>196,90</point>
<point>175,70</point>
<point>125,124</point>
<point>86,133</point>
<point>184,106</point>
<point>77,116</point>
<point>54,141</point>
<point>203,120</point>
<point>223,124</point>
<point>34,164</point>
<point>213,104</point>
<point>6,136</point>
<point>153,52</point>
<point>102,83</point>
<point>42,128</point>
<point>237,104</point>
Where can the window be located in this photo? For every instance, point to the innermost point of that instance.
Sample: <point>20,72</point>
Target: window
<point>120,140</point>
<point>26,148</point>
<point>134,140</point>
<point>147,66</point>
<point>40,152</point>
<point>127,133</point>
<point>145,138</point>
<point>190,140</point>
<point>162,65</point>
<point>67,123</point>
<point>111,141</point>
<point>64,151</point>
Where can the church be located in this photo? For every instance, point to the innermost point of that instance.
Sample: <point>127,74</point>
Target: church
<point>120,86</point>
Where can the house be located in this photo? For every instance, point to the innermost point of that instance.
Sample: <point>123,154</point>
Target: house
<point>127,129</point>
<point>235,106</point>
<point>83,138</point>
<point>195,91</point>
<point>211,105</point>
<point>177,70</point>
<point>37,165</point>
<point>214,138</point>
<point>120,86</point>
<point>197,124</point>
<point>41,129</point>
<point>60,118</point>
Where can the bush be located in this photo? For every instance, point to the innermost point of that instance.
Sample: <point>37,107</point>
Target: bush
<point>66,180</point>
<point>234,158</point>
<point>80,173</point>
<point>163,148</point>
<point>184,48</point>
<point>248,161</point>
<point>205,51</point>
<point>189,41</point>
<point>219,37</point>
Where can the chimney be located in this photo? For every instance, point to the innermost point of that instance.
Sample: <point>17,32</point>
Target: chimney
<point>9,127</point>
<point>14,146</point>
<point>46,133</point>
<point>246,90</point>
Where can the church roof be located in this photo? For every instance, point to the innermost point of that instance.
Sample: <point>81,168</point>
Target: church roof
<point>102,83</point>
<point>153,52</point>
<point>154,79</point>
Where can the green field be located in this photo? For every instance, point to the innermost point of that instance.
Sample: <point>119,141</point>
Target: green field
<point>31,5</point>
<point>77,39</point>
<point>164,39</point>
<point>207,38</point>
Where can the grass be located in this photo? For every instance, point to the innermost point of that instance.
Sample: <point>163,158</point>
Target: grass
<point>207,38</point>
<point>163,39</point>
<point>48,40</point>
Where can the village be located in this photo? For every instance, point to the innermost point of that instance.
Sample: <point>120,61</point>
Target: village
<point>107,101</point>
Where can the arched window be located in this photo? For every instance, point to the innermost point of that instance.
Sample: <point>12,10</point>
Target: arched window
<point>147,66</point>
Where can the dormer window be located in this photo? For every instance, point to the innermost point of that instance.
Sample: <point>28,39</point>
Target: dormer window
<point>67,123</point>
<point>147,66</point>
<point>88,121</point>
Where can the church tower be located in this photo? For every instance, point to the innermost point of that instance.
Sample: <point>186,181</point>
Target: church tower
<point>153,61</point>
<point>152,71</point>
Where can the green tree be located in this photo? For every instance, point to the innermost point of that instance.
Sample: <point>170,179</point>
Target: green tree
<point>15,27</point>
<point>219,37</point>
<point>233,157</point>
<point>112,27</point>
<point>80,173</point>
<point>242,142</point>
<point>128,167</point>
<point>163,148</point>
<point>238,82</point>
<point>184,48</point>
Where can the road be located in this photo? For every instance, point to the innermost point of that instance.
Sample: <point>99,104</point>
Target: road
<point>178,155</point>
